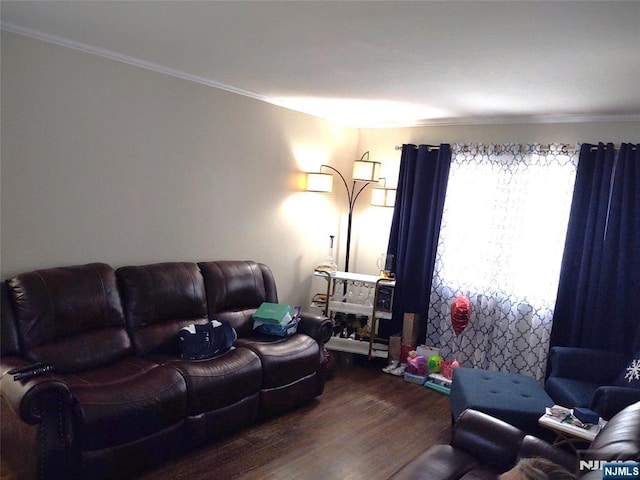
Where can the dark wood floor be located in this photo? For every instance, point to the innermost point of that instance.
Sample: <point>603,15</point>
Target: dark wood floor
<point>364,426</point>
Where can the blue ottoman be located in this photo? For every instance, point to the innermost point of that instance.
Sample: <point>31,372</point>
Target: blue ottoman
<point>516,399</point>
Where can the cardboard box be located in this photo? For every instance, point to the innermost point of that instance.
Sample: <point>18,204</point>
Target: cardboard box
<point>437,382</point>
<point>410,377</point>
<point>395,347</point>
<point>439,379</point>
<point>410,327</point>
<point>273,314</point>
<point>426,351</point>
<point>279,330</point>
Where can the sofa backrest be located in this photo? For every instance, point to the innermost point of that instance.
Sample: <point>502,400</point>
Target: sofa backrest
<point>235,290</point>
<point>620,437</point>
<point>70,317</point>
<point>159,299</point>
<point>9,342</point>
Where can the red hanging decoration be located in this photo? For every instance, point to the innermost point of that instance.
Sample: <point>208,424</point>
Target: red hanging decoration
<point>460,313</point>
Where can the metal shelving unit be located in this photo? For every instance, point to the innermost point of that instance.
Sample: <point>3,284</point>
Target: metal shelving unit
<point>380,309</point>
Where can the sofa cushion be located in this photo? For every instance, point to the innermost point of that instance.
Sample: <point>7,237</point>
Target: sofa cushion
<point>126,401</point>
<point>220,381</point>
<point>159,299</point>
<point>235,290</point>
<point>284,359</point>
<point>630,376</point>
<point>292,370</point>
<point>223,392</point>
<point>70,317</point>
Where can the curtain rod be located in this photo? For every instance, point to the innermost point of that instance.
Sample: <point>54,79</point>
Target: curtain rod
<point>434,147</point>
<point>545,148</point>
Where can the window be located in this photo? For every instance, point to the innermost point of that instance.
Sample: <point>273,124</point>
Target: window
<point>501,242</point>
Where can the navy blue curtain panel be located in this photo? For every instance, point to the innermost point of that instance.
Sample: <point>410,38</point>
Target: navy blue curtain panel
<point>422,184</point>
<point>598,302</point>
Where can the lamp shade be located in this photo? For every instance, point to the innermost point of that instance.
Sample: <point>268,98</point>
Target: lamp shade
<point>319,182</point>
<point>383,197</point>
<point>366,171</point>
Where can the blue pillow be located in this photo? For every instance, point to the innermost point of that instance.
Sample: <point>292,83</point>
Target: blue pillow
<point>630,376</point>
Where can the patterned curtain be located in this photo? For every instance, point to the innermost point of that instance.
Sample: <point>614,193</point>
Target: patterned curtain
<point>501,241</point>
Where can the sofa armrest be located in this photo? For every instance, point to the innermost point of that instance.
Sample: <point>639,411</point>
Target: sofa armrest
<point>440,462</point>
<point>492,441</point>
<point>36,423</point>
<point>318,327</point>
<point>25,397</point>
<point>586,364</point>
<point>610,399</point>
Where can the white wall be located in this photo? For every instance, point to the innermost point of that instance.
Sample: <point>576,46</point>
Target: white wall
<point>103,161</point>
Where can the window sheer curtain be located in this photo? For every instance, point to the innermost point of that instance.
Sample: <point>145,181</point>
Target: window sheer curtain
<point>501,241</point>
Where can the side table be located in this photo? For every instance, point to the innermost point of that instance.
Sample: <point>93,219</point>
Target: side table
<point>569,430</point>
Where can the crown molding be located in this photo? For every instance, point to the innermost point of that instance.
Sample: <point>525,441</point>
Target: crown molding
<point>527,119</point>
<point>503,120</point>
<point>65,42</point>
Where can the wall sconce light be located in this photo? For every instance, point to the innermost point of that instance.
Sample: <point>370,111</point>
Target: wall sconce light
<point>383,196</point>
<point>364,171</point>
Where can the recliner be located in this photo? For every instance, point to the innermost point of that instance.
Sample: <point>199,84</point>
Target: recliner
<point>103,410</point>
<point>483,447</point>
<point>222,391</point>
<point>293,368</point>
<point>583,377</point>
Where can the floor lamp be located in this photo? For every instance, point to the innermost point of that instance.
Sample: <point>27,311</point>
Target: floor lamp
<point>364,173</point>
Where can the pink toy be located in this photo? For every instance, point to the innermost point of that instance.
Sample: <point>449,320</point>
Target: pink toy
<point>416,364</point>
<point>447,368</point>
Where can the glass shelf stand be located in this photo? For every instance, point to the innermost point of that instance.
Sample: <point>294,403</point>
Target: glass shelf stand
<point>338,301</point>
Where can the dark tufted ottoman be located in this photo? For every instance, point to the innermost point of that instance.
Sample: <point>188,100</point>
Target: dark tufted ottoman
<point>516,399</point>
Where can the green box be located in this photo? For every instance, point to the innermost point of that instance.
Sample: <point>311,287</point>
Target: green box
<point>279,330</point>
<point>273,314</point>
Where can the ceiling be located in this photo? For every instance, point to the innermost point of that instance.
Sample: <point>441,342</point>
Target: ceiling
<point>374,64</point>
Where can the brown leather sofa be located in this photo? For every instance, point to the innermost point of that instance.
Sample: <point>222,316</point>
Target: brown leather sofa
<point>483,447</point>
<point>120,398</point>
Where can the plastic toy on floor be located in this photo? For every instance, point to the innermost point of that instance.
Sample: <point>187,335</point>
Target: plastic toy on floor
<point>447,368</point>
<point>416,364</point>
<point>435,363</point>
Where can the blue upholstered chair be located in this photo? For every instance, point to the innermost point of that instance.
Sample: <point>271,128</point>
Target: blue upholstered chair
<point>582,377</point>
